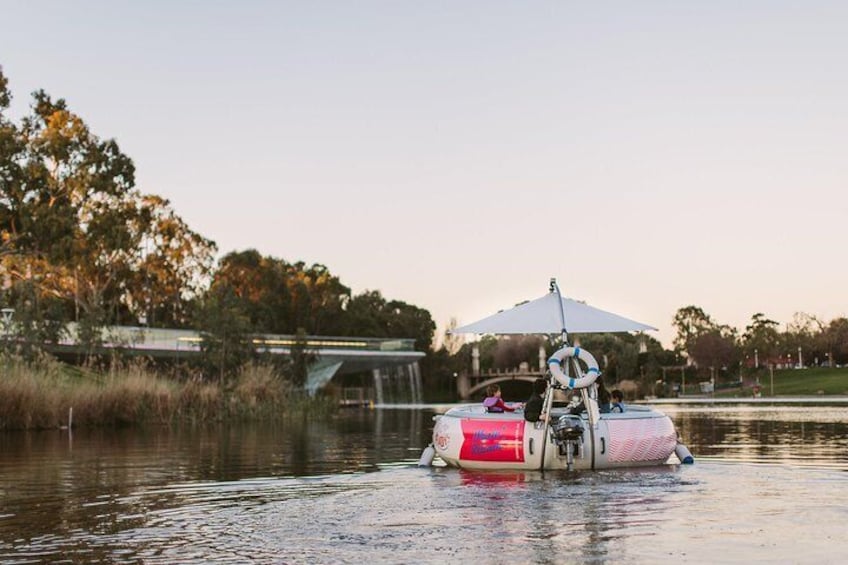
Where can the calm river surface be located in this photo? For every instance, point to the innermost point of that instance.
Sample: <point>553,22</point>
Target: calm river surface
<point>769,485</point>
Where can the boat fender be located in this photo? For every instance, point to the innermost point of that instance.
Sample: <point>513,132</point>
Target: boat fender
<point>683,454</point>
<point>427,456</point>
<point>555,366</point>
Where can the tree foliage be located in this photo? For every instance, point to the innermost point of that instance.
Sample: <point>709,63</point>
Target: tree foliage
<point>761,339</point>
<point>715,349</point>
<point>690,322</point>
<point>225,330</point>
<point>282,298</point>
<point>77,237</point>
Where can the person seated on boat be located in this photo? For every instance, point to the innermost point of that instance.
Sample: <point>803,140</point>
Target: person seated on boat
<point>493,401</point>
<point>604,405</point>
<point>536,403</point>
<point>576,405</point>
<point>604,398</point>
<point>617,401</point>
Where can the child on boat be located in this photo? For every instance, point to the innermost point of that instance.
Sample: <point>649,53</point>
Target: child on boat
<point>493,401</point>
<point>617,401</point>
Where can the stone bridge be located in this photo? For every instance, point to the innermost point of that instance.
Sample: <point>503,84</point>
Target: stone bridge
<point>467,390</point>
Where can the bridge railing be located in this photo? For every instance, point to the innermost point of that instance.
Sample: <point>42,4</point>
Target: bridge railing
<point>140,337</point>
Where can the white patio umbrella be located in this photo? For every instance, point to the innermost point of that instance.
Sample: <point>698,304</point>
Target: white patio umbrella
<point>552,314</point>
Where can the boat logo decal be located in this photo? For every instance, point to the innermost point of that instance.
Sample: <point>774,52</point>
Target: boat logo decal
<point>441,437</point>
<point>493,440</point>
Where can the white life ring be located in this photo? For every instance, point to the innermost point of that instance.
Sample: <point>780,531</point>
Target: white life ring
<point>555,366</point>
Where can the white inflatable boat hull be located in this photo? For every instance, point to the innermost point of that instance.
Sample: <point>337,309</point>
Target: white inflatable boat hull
<point>468,437</point>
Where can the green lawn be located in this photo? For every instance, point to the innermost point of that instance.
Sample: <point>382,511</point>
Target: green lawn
<point>795,382</point>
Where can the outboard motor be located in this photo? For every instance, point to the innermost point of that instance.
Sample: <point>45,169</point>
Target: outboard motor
<point>568,435</point>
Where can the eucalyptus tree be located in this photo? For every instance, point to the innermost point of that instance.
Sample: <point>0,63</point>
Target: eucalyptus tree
<point>717,349</point>
<point>370,314</point>
<point>804,334</point>
<point>172,268</point>
<point>762,340</point>
<point>74,227</point>
<point>225,331</point>
<point>318,298</point>
<point>279,297</point>
<point>836,341</point>
<point>690,322</point>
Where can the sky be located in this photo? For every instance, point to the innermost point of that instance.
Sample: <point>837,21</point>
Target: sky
<point>457,155</point>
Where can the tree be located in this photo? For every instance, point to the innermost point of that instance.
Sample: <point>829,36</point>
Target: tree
<point>617,354</point>
<point>715,348</point>
<point>280,297</point>
<point>836,340</point>
<point>804,333</point>
<point>761,339</point>
<point>171,269</point>
<point>74,227</point>
<point>511,351</point>
<point>225,330</point>
<point>409,321</point>
<point>690,323</point>
<point>301,359</point>
<point>369,314</point>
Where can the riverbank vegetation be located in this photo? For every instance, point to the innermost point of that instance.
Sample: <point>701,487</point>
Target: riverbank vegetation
<point>47,394</point>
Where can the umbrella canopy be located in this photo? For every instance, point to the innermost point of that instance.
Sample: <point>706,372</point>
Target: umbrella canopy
<point>544,316</point>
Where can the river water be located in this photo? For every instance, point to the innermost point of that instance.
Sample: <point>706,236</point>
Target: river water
<point>769,485</point>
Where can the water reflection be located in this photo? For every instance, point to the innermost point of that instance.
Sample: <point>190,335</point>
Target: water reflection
<point>798,435</point>
<point>283,492</point>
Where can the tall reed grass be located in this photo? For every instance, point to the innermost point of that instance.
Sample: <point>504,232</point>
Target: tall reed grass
<point>39,395</point>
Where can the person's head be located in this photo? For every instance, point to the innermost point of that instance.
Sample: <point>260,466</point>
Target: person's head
<point>617,396</point>
<point>540,386</point>
<point>493,390</point>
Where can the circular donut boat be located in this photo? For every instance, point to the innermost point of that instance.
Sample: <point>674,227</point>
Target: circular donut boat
<point>468,436</point>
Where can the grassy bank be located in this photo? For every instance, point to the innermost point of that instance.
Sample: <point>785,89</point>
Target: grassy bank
<point>794,382</point>
<point>40,395</point>
<point>805,382</point>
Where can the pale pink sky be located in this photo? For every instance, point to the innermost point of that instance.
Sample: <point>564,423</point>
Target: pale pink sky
<point>456,155</point>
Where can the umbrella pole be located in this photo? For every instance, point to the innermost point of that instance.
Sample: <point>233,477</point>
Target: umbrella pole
<point>555,288</point>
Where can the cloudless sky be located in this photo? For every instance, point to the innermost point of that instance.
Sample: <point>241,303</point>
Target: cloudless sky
<point>457,155</point>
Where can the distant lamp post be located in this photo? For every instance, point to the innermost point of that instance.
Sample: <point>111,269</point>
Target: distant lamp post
<point>800,358</point>
<point>756,359</point>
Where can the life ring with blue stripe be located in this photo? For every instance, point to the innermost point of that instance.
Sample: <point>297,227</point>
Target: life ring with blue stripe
<point>559,357</point>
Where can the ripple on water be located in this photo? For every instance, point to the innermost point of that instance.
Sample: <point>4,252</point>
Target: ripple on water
<point>763,489</point>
